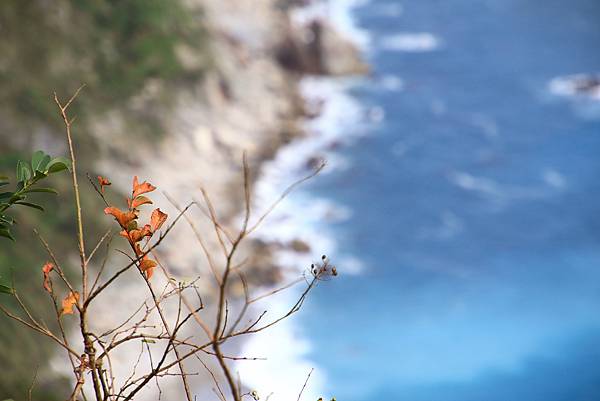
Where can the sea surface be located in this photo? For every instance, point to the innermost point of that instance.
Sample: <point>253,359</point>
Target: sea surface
<point>461,205</point>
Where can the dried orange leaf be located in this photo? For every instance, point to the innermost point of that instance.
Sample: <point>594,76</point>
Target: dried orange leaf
<point>124,218</point>
<point>46,269</point>
<point>137,202</point>
<point>142,188</point>
<point>68,303</point>
<point>137,235</point>
<point>103,182</point>
<point>147,266</point>
<point>157,219</point>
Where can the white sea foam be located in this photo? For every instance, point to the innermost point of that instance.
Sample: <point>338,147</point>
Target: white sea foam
<point>286,368</point>
<point>339,13</point>
<point>482,185</point>
<point>449,226</point>
<point>501,195</point>
<point>554,178</point>
<point>391,83</point>
<point>305,217</point>
<point>376,114</point>
<point>388,10</point>
<point>487,124</point>
<point>351,265</point>
<point>582,89</point>
<point>410,42</point>
<point>577,85</point>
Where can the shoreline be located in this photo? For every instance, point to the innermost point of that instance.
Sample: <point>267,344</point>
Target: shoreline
<point>301,218</point>
<point>253,101</point>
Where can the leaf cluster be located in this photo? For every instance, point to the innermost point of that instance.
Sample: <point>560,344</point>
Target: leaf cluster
<point>28,176</point>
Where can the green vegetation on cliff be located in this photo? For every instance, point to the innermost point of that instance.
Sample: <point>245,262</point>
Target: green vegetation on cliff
<point>116,48</point>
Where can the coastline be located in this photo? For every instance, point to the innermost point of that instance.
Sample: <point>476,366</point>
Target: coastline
<point>305,217</point>
<point>256,100</point>
<point>469,131</point>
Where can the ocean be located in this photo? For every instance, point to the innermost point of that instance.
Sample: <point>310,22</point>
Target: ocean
<point>461,206</point>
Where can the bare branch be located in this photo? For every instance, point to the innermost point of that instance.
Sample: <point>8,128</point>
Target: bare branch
<point>305,383</point>
<point>208,255</point>
<point>283,196</point>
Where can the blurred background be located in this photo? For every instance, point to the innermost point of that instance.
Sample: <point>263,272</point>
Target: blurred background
<point>459,203</point>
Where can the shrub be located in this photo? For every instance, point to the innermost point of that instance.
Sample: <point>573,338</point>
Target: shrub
<point>72,296</point>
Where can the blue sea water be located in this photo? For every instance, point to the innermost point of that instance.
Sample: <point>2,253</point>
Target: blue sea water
<point>475,198</point>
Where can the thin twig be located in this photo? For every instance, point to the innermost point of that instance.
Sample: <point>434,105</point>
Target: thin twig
<point>208,255</point>
<point>304,386</point>
<point>30,391</point>
<point>284,194</point>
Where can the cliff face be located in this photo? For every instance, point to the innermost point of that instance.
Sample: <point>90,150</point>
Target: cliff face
<point>248,101</point>
<point>245,102</point>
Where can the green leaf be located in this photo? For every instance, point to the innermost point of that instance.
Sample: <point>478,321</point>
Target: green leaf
<point>19,171</point>
<point>6,195</point>
<point>6,234</point>
<point>4,289</point>
<point>46,190</point>
<point>58,164</point>
<point>36,160</point>
<point>3,177</point>
<point>23,172</point>
<point>29,204</point>
<point>26,171</point>
<point>42,165</point>
<point>4,183</point>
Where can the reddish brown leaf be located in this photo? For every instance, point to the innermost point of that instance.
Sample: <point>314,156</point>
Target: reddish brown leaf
<point>46,270</point>
<point>69,302</point>
<point>147,267</point>
<point>124,218</point>
<point>157,219</point>
<point>103,182</point>
<point>137,235</point>
<point>138,250</point>
<point>137,202</point>
<point>142,188</point>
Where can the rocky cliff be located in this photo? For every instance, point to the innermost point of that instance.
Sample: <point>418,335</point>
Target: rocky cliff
<point>248,102</point>
<point>246,99</point>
